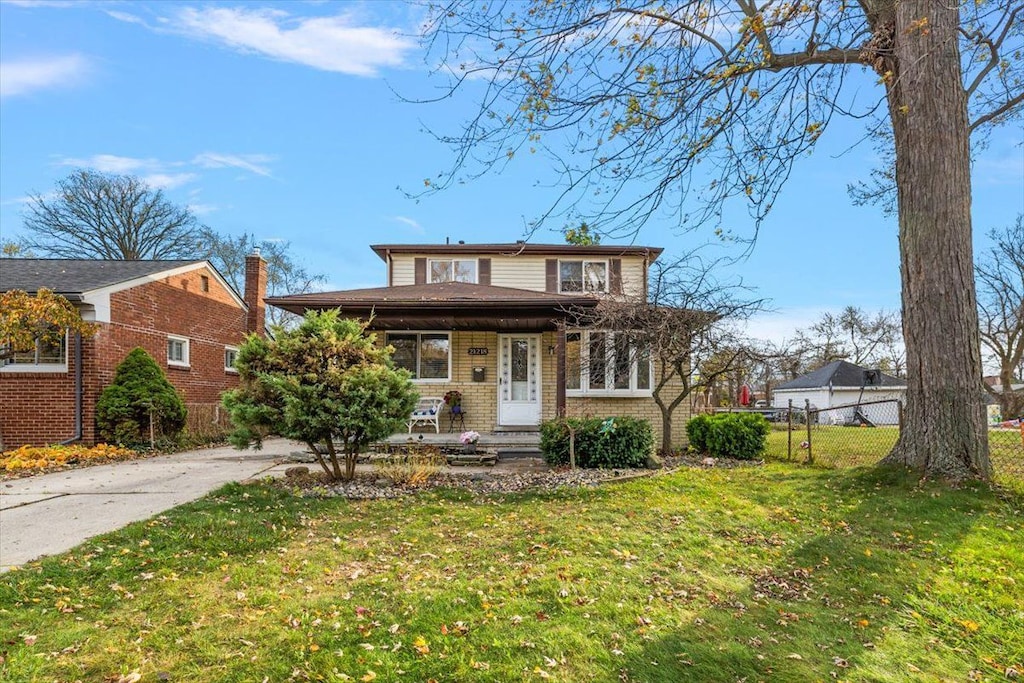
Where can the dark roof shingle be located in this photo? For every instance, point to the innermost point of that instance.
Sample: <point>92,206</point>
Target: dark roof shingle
<point>75,276</point>
<point>839,373</point>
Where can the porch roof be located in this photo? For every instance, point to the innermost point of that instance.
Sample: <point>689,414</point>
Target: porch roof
<point>446,305</point>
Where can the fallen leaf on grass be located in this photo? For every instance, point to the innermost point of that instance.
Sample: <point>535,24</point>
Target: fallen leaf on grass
<point>794,655</point>
<point>421,646</point>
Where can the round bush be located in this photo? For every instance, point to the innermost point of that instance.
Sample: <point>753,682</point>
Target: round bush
<point>729,435</point>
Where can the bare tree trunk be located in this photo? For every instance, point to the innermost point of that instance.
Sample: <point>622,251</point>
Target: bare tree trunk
<point>335,466</point>
<point>944,433</point>
<point>319,458</point>
<point>666,432</point>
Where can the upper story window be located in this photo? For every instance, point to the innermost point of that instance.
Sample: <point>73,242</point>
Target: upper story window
<point>177,351</point>
<point>426,355</point>
<point>582,276</point>
<point>453,270</point>
<point>606,363</point>
<point>49,354</point>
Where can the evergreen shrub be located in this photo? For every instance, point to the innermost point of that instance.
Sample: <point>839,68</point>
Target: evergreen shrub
<point>616,442</point>
<point>139,390</point>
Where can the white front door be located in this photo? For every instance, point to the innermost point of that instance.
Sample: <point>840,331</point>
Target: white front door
<point>519,379</point>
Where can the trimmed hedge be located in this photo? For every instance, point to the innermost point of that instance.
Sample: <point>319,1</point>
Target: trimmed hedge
<point>139,389</point>
<point>617,442</point>
<point>729,435</point>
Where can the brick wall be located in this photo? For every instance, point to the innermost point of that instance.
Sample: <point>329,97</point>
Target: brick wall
<point>38,408</point>
<point>480,399</point>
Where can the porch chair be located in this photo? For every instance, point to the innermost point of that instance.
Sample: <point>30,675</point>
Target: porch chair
<point>427,412</point>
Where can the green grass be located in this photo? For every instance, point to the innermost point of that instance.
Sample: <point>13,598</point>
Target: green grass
<point>775,573</point>
<point>836,446</point>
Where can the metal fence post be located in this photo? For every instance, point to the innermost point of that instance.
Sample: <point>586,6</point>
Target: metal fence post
<point>807,417</point>
<point>789,431</point>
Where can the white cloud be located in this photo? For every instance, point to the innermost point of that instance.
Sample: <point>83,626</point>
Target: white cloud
<point>26,76</point>
<point>168,181</point>
<point>327,43</point>
<point>112,163</point>
<point>202,209</point>
<point>126,17</point>
<point>410,222</point>
<point>254,163</point>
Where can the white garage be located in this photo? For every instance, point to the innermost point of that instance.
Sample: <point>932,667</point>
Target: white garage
<point>842,385</point>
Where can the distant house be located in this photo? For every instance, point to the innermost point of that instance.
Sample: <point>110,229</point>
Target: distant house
<point>490,321</point>
<point>841,383</point>
<point>182,312</point>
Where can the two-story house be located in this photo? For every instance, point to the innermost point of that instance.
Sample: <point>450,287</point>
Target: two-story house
<point>493,321</point>
<point>189,319</point>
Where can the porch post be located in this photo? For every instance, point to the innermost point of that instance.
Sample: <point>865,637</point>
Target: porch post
<point>560,372</point>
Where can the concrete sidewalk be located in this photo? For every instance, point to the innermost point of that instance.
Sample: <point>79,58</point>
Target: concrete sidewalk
<point>51,513</point>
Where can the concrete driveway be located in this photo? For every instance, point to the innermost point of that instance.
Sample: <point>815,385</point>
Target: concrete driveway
<point>50,513</point>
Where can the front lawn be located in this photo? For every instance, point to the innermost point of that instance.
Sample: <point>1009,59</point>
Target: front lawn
<point>772,573</point>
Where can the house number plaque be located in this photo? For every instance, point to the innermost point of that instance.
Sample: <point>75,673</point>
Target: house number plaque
<point>478,350</point>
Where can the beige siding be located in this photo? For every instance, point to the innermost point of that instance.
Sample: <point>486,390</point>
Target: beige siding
<point>520,272</point>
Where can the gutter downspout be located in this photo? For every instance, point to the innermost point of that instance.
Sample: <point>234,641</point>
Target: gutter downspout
<point>79,392</point>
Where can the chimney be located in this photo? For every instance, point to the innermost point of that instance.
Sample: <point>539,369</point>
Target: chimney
<point>255,292</point>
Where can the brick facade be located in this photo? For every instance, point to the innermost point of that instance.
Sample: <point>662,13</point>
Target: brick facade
<point>38,408</point>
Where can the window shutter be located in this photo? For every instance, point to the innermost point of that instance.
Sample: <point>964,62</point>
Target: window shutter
<point>420,271</point>
<point>615,276</point>
<point>483,273</point>
<point>551,275</point>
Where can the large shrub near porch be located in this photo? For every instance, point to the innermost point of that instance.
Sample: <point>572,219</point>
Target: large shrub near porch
<point>728,435</point>
<point>326,383</point>
<point>600,442</point>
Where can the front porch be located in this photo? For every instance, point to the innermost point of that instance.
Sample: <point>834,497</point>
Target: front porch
<point>502,444</point>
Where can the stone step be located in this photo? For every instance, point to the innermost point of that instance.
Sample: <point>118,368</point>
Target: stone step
<point>519,452</point>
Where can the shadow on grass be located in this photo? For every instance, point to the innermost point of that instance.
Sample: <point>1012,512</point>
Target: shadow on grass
<point>835,606</point>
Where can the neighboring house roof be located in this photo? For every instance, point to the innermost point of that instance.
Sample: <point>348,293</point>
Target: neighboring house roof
<point>72,278</point>
<point>514,248</point>
<point>75,276</point>
<point>839,374</point>
<point>446,305</point>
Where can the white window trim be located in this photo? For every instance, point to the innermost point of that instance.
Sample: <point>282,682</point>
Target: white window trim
<point>583,273</point>
<point>609,377</point>
<point>186,363</point>
<point>452,260</point>
<point>230,368</point>
<point>419,333</point>
<point>55,368</point>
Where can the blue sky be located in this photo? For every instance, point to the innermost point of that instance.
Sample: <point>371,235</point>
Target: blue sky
<point>282,120</point>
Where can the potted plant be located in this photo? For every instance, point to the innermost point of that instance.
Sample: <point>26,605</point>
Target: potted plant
<point>469,440</point>
<point>453,399</point>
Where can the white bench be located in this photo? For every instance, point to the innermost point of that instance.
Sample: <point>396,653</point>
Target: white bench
<point>427,412</point>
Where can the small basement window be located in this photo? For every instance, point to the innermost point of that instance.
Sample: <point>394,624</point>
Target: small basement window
<point>177,351</point>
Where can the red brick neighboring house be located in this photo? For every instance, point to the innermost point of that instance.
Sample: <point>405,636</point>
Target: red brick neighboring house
<point>182,312</point>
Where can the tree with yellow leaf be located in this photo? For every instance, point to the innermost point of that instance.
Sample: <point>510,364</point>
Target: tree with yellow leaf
<point>41,318</point>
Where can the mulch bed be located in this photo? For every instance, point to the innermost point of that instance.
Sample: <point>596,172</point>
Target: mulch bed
<point>371,485</point>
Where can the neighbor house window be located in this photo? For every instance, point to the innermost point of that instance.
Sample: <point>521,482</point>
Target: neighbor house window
<point>583,276</point>
<point>606,363</point>
<point>230,356</point>
<point>177,351</point>
<point>452,270</point>
<point>427,355</point>
<point>48,354</point>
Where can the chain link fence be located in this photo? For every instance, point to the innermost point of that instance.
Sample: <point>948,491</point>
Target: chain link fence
<point>864,433</point>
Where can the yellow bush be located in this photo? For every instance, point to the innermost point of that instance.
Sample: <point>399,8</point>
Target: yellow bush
<point>43,457</point>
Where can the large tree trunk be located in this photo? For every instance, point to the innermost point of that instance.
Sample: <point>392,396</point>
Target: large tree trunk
<point>944,430</point>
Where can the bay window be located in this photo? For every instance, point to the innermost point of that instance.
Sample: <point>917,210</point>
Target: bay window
<point>606,364</point>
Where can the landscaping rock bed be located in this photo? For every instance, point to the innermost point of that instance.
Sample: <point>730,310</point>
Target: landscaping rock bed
<point>505,479</point>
